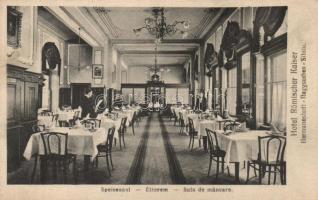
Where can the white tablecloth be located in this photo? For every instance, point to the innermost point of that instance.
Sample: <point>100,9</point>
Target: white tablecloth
<point>109,123</point>
<point>80,142</point>
<point>240,146</point>
<point>201,125</point>
<point>66,115</point>
<point>45,120</point>
<point>129,114</point>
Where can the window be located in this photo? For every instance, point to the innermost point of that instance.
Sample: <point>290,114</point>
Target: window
<point>276,90</point>
<point>216,89</point>
<point>246,80</point>
<point>231,91</point>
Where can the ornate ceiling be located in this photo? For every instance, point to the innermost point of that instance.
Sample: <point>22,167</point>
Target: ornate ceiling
<point>120,22</point>
<point>100,24</point>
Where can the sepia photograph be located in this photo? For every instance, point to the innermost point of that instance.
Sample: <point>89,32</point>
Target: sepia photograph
<point>158,96</point>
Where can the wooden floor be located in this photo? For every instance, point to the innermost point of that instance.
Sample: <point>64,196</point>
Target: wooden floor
<point>156,154</point>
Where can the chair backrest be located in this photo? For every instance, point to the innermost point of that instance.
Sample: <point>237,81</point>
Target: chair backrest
<point>46,113</point>
<point>271,148</point>
<point>38,128</point>
<point>180,116</point>
<point>94,122</point>
<point>110,138</point>
<point>54,143</point>
<point>212,140</point>
<point>181,119</point>
<point>76,115</point>
<point>191,127</point>
<point>134,118</point>
<point>122,125</point>
<point>174,113</point>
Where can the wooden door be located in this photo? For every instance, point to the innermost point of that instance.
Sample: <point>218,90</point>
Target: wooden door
<point>13,101</point>
<point>30,101</point>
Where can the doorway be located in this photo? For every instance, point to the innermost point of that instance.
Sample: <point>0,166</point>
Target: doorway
<point>77,93</point>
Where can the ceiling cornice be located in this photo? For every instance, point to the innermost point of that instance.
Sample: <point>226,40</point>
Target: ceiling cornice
<point>151,41</point>
<point>206,21</point>
<point>77,16</point>
<point>158,55</point>
<point>49,27</point>
<point>71,24</point>
<point>160,65</point>
<point>107,21</point>
<point>153,52</point>
<point>219,21</point>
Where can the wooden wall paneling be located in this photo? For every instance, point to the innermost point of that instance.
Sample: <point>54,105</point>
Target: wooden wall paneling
<point>13,101</point>
<point>22,105</point>
<point>13,147</point>
<point>30,101</point>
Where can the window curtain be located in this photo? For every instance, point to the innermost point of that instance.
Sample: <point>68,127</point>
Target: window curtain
<point>278,91</point>
<point>260,91</point>
<point>231,91</point>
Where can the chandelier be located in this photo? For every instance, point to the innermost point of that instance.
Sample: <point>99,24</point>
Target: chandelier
<point>155,76</point>
<point>158,27</point>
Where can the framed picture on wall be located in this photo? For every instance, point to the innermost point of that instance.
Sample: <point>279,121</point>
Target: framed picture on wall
<point>98,71</point>
<point>14,27</point>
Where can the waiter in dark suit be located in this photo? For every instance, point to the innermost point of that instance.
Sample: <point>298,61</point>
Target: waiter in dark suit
<point>88,104</point>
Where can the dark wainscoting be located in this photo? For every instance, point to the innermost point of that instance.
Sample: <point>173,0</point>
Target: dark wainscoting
<point>22,106</point>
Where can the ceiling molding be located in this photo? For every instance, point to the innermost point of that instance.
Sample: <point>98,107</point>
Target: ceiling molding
<point>92,22</point>
<point>44,24</point>
<point>161,65</point>
<point>151,41</point>
<point>158,55</point>
<point>91,12</point>
<point>71,24</point>
<point>218,22</point>
<point>153,52</point>
<point>78,17</point>
<point>205,21</point>
<point>107,21</point>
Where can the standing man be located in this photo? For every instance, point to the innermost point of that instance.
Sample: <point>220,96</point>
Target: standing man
<point>88,104</point>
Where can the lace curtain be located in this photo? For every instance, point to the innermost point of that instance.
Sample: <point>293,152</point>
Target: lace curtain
<point>277,91</point>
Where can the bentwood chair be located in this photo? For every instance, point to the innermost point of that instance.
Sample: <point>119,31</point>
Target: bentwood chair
<point>193,134</point>
<point>174,116</point>
<point>182,123</point>
<point>75,117</point>
<point>271,150</point>
<point>63,123</point>
<point>55,152</point>
<point>122,130</point>
<point>216,154</point>
<point>36,129</point>
<point>105,150</point>
<point>133,121</point>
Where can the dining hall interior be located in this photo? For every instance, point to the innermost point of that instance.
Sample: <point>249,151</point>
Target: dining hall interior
<point>146,95</point>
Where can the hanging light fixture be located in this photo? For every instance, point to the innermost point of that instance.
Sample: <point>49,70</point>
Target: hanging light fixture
<point>155,76</point>
<point>158,27</point>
